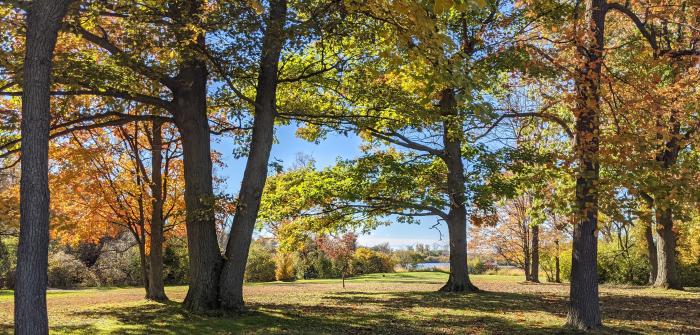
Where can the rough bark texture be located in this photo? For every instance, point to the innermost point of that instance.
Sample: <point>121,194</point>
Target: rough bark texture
<point>156,290</point>
<point>255,174</point>
<point>525,229</point>
<point>535,262</point>
<point>457,216</point>
<point>666,275</point>
<point>190,111</point>
<point>144,265</point>
<point>584,309</point>
<point>651,252</point>
<point>43,22</point>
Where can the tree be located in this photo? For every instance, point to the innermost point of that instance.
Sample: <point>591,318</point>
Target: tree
<point>653,75</point>
<point>44,19</point>
<point>340,250</point>
<point>104,174</point>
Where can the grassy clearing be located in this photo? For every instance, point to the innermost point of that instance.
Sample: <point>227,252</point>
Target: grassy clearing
<point>397,303</point>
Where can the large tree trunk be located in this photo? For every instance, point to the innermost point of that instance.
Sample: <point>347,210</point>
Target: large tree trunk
<point>255,174</point>
<point>535,265</point>
<point>43,22</point>
<point>457,216</point>
<point>584,309</point>
<point>156,289</point>
<point>205,260</point>
<point>667,275</point>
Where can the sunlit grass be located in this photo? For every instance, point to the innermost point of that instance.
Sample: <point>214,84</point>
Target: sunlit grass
<point>396,303</point>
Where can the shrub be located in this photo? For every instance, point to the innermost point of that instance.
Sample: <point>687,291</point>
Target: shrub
<point>8,262</point>
<point>366,261</point>
<point>476,266</point>
<point>616,266</point>
<point>66,271</point>
<point>175,264</point>
<point>313,264</point>
<point>689,274</point>
<point>261,264</point>
<point>115,268</point>
<point>284,267</point>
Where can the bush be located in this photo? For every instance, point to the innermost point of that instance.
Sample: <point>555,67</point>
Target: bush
<point>476,266</point>
<point>175,264</point>
<point>66,271</point>
<point>689,274</point>
<point>366,261</point>
<point>119,268</point>
<point>8,262</point>
<point>616,266</point>
<point>284,267</point>
<point>261,264</point>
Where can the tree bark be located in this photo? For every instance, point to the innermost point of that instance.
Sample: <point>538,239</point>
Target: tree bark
<point>667,275</point>
<point>156,289</point>
<point>43,22</point>
<point>190,111</point>
<point>525,229</point>
<point>535,262</point>
<point>144,264</point>
<point>255,174</point>
<point>651,252</point>
<point>457,216</point>
<point>584,309</point>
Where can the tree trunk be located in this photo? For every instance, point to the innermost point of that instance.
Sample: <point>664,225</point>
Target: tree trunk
<point>144,265</point>
<point>457,216</point>
<point>525,229</point>
<point>651,252</point>
<point>140,229</point>
<point>535,265</point>
<point>667,275</point>
<point>190,111</point>
<point>156,289</point>
<point>43,22</point>
<point>255,174</point>
<point>584,309</point>
<point>557,267</point>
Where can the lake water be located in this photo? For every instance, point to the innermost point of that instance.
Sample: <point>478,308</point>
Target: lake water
<point>442,266</point>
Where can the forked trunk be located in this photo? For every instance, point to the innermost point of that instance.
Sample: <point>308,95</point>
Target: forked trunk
<point>584,309</point>
<point>156,290</point>
<point>667,275</point>
<point>205,260</point>
<point>255,174</point>
<point>43,22</point>
<point>457,216</point>
<point>535,262</point>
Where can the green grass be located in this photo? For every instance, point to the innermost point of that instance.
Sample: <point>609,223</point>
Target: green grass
<point>396,303</point>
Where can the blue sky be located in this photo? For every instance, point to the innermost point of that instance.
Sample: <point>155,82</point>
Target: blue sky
<point>326,153</point>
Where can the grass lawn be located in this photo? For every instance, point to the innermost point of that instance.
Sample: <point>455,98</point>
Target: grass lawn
<point>396,303</point>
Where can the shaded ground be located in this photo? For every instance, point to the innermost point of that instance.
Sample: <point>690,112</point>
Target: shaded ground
<point>400,303</point>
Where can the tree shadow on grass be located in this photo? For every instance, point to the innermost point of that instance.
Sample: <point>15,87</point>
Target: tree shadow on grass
<point>171,319</point>
<point>659,314</point>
